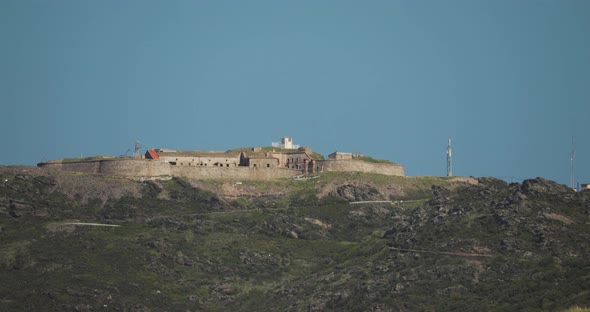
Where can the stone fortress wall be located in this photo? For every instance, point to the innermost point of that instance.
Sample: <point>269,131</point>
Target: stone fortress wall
<point>154,168</point>
<point>239,173</point>
<point>137,168</point>
<point>254,164</point>
<point>115,167</point>
<point>360,166</point>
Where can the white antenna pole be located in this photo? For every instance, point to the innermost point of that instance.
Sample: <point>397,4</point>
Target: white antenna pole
<point>572,164</point>
<point>449,160</point>
<point>136,154</point>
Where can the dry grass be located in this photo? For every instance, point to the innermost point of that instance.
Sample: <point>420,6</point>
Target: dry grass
<point>577,309</point>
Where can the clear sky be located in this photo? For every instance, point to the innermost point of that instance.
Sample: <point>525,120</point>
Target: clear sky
<point>508,81</point>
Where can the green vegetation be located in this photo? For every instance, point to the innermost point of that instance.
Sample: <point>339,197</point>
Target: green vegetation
<point>451,247</point>
<point>372,160</point>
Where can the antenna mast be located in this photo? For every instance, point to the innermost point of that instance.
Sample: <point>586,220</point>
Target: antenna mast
<point>449,160</point>
<point>572,163</point>
<point>137,148</point>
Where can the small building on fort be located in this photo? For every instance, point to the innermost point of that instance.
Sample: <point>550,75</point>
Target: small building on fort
<point>299,159</point>
<point>340,156</point>
<point>344,156</point>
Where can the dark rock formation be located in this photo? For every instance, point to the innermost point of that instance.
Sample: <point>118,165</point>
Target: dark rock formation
<point>358,192</point>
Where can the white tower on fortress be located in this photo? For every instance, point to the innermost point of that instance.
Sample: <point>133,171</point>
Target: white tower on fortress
<point>286,143</point>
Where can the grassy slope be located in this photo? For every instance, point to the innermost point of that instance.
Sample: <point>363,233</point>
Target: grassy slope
<point>181,248</point>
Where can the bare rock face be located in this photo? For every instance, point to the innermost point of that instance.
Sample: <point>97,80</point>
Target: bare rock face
<point>540,185</point>
<point>537,216</point>
<point>358,192</point>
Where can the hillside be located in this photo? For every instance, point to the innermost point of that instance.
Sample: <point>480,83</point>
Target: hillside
<point>290,245</point>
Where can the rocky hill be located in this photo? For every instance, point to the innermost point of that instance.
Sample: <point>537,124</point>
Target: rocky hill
<point>339,242</point>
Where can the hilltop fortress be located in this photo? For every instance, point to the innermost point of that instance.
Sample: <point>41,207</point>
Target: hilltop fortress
<point>258,163</point>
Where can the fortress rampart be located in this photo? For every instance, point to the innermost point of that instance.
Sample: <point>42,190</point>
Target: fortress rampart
<point>90,166</point>
<point>360,166</point>
<point>243,164</point>
<point>117,167</point>
<point>240,173</point>
<point>134,168</point>
<point>154,168</point>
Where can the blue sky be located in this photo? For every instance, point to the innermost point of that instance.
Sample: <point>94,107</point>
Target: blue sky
<point>508,81</point>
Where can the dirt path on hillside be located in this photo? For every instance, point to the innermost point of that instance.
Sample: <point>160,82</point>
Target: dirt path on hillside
<point>89,224</point>
<point>460,254</point>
